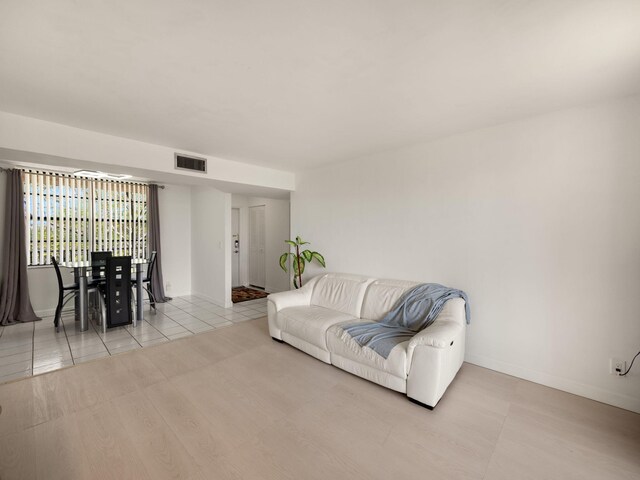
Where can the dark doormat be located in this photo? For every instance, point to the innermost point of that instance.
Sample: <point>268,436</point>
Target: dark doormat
<point>242,294</point>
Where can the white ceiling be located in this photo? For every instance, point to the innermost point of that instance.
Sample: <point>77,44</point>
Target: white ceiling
<point>295,84</point>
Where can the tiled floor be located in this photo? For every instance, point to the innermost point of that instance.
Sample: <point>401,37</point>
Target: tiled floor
<point>32,348</point>
<point>233,404</point>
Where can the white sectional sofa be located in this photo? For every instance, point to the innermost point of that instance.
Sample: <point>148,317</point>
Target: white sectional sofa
<point>310,319</point>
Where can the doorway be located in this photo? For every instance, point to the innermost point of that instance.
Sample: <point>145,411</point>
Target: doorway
<point>257,259</point>
<point>235,247</point>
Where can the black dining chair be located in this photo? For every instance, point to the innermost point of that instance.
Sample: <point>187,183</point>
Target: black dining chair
<point>146,281</point>
<point>65,293</point>
<point>98,268</point>
<point>99,265</point>
<point>115,293</point>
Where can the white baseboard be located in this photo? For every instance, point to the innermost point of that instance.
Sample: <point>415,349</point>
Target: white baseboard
<point>220,303</point>
<point>269,289</point>
<point>176,294</point>
<point>589,391</point>
<point>49,312</point>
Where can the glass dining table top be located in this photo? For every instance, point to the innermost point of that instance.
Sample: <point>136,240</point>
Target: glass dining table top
<point>87,263</point>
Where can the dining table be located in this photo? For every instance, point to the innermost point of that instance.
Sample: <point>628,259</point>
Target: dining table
<point>82,269</point>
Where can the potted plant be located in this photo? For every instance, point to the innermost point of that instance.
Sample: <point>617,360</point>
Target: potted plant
<point>299,259</point>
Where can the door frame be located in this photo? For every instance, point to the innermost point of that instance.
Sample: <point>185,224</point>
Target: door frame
<point>236,211</point>
<point>264,207</point>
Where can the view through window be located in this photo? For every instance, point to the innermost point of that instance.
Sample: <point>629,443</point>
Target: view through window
<point>69,217</point>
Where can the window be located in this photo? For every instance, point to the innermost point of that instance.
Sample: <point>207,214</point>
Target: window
<point>69,217</point>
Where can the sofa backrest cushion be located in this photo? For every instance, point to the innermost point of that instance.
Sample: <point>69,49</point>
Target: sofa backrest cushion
<point>341,292</point>
<point>381,297</point>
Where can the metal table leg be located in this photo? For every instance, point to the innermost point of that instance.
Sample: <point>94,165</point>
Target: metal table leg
<point>139,296</point>
<point>82,299</point>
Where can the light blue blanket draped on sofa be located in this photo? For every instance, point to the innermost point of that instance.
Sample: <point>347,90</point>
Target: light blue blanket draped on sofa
<point>416,310</point>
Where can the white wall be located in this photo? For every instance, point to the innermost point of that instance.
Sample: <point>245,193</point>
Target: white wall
<point>277,222</point>
<point>210,244</point>
<point>537,220</point>
<point>174,202</point>
<point>24,134</point>
<point>43,289</point>
<point>277,214</point>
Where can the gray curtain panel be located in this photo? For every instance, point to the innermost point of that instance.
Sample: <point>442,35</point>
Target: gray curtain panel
<point>15,304</point>
<point>157,283</point>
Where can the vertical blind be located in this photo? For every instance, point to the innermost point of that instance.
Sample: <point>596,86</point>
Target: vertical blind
<point>69,217</point>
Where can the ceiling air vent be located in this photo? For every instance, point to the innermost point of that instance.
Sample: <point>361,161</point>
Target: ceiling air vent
<point>191,163</point>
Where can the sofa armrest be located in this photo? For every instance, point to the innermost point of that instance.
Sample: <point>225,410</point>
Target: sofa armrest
<point>439,334</point>
<point>277,302</point>
<point>434,356</point>
<point>292,298</point>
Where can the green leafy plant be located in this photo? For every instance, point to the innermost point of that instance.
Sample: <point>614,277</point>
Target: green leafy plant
<point>299,259</point>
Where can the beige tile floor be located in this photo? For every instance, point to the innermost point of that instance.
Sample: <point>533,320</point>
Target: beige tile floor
<point>34,348</point>
<point>233,404</point>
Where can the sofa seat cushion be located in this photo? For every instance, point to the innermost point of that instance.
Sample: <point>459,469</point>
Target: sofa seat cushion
<point>311,323</point>
<point>341,343</point>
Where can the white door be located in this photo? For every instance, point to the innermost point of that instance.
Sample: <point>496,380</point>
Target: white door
<point>235,247</point>
<point>256,247</point>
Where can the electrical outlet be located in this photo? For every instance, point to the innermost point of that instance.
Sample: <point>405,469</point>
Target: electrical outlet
<point>617,366</point>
